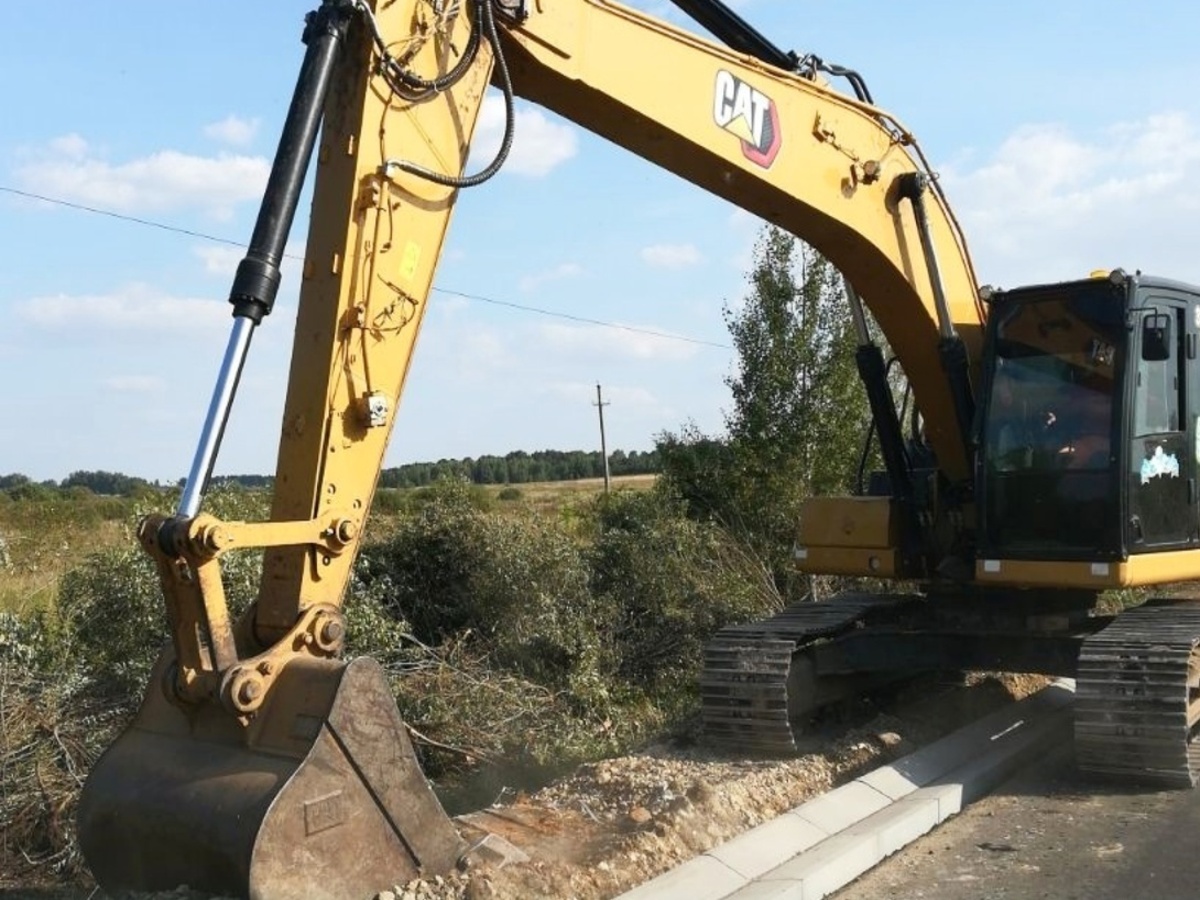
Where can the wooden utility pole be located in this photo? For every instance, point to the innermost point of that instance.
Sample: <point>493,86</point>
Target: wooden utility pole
<point>600,404</point>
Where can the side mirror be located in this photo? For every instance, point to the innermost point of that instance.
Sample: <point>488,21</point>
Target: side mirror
<point>1156,337</point>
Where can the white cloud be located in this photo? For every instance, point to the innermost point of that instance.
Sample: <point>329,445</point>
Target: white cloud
<point>71,146</point>
<point>608,343</point>
<point>162,181</point>
<point>232,130</point>
<point>671,256</point>
<point>479,355</point>
<point>539,143</point>
<point>1050,204</point>
<point>136,384</point>
<point>219,260</point>
<point>135,307</point>
<point>558,273</point>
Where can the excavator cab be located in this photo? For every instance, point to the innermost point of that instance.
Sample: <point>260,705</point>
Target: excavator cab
<point>1084,444</point>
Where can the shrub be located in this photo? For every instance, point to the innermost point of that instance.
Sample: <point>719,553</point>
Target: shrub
<point>389,501</point>
<point>520,584</point>
<point>666,584</point>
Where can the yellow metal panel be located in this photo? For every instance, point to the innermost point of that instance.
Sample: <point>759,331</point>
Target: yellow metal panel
<point>1057,574</point>
<point>882,563</point>
<point>1142,569</point>
<point>795,153</point>
<point>373,243</point>
<point>866,522</point>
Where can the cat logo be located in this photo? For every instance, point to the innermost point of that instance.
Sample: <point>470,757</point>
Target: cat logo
<point>749,115</point>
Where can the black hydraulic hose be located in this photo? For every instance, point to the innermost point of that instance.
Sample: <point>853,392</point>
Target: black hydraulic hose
<point>736,33</point>
<point>398,77</point>
<point>856,80</point>
<point>256,283</point>
<point>510,113</point>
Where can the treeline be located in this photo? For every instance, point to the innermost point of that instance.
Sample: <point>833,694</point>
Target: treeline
<point>108,484</point>
<point>520,467</point>
<point>517,467</point>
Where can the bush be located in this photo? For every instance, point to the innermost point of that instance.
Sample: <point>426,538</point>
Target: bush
<point>389,501</point>
<point>53,732</point>
<point>520,584</point>
<point>534,640</point>
<point>666,584</point>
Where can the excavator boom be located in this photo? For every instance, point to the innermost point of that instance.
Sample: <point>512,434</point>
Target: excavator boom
<point>255,721</point>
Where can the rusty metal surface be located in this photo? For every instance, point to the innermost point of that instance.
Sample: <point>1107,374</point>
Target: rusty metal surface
<point>320,797</point>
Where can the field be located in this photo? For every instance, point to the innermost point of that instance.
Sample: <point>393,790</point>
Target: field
<point>40,539</point>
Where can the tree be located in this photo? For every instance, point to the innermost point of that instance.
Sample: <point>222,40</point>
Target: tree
<point>101,482</point>
<point>798,406</point>
<point>799,413</point>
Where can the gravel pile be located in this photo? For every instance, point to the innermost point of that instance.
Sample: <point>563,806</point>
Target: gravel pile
<point>617,823</point>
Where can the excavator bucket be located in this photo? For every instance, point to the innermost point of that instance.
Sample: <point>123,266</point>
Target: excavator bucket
<point>320,796</point>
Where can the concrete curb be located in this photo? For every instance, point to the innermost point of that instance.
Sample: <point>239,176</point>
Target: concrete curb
<point>824,844</point>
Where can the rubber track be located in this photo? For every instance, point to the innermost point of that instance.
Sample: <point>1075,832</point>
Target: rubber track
<point>743,688</point>
<point>1131,696</point>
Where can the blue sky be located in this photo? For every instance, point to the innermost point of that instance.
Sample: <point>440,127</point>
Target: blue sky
<point>1064,133</point>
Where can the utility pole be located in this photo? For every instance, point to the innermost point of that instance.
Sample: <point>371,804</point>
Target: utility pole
<point>600,404</point>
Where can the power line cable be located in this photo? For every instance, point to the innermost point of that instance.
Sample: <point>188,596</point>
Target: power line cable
<point>123,217</point>
<point>175,229</point>
<point>584,319</point>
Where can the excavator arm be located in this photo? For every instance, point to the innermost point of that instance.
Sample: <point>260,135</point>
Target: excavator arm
<point>835,172</point>
<point>257,756</point>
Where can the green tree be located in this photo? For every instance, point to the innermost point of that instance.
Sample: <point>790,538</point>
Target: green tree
<point>799,410</point>
<point>799,413</point>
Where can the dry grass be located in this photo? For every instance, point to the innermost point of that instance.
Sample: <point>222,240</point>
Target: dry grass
<point>41,540</point>
<point>555,496</point>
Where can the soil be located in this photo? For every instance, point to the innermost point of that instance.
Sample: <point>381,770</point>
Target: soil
<point>614,824</point>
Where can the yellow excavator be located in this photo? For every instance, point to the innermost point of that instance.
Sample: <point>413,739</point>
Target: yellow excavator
<point>1054,456</point>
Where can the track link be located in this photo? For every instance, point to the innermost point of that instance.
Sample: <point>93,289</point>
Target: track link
<point>744,687</point>
<point>1137,696</point>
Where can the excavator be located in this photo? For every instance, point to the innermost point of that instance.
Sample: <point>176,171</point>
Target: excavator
<point>1054,456</point>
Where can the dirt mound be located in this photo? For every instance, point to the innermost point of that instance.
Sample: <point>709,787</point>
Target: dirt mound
<point>617,823</point>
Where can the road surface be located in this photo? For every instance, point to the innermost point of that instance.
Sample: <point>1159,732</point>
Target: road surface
<point>1048,833</point>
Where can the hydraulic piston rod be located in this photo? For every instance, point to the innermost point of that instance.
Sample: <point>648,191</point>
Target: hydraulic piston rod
<point>256,283</point>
